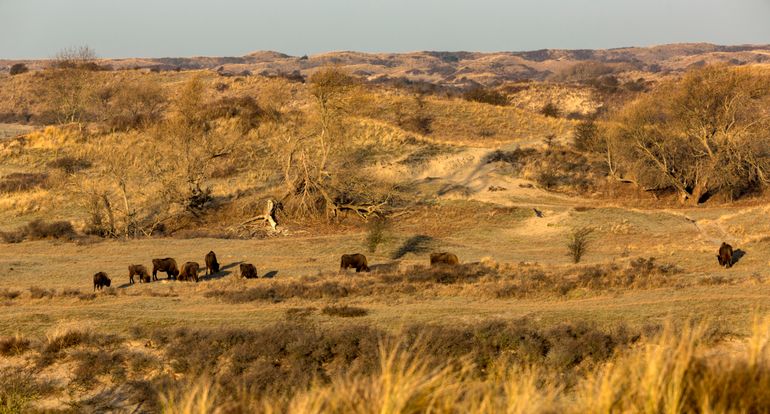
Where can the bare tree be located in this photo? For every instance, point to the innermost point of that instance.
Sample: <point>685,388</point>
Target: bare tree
<point>702,135</point>
<point>78,57</point>
<point>68,84</point>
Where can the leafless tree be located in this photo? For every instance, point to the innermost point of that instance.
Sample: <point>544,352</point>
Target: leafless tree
<point>704,134</point>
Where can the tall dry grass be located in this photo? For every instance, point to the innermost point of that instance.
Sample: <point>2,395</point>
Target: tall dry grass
<point>677,372</point>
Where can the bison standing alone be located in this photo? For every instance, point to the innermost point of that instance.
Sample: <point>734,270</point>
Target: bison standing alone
<point>101,280</point>
<point>356,261</point>
<point>167,265</point>
<point>248,271</point>
<point>725,256</point>
<point>212,266</point>
<point>189,271</point>
<point>444,258</point>
<point>138,270</point>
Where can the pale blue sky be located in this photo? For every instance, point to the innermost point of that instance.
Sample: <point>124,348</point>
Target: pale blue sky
<point>155,28</point>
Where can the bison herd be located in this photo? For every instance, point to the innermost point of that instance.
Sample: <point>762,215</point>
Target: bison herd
<point>189,272</point>
<point>355,261</point>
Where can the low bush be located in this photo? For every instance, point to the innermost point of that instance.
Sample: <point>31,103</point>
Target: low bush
<point>55,344</point>
<point>19,390</point>
<point>6,293</point>
<point>40,229</point>
<point>40,293</point>
<point>486,95</point>
<point>13,345</point>
<point>18,182</point>
<point>70,165</point>
<point>18,69</point>
<point>344,311</point>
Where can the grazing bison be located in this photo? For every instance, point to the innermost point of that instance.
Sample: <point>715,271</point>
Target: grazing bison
<point>101,280</point>
<point>725,256</point>
<point>189,272</point>
<point>212,266</point>
<point>356,261</point>
<point>444,258</point>
<point>248,271</point>
<point>167,265</point>
<point>138,270</point>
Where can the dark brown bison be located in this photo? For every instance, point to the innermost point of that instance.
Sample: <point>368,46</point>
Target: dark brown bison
<point>356,261</point>
<point>101,280</point>
<point>212,266</point>
<point>189,272</point>
<point>138,270</point>
<point>167,265</point>
<point>444,258</point>
<point>725,256</point>
<point>248,271</point>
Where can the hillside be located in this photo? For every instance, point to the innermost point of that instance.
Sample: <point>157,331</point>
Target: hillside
<point>462,68</point>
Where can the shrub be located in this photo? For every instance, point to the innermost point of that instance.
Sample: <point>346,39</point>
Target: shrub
<point>40,293</point>
<point>69,292</point>
<point>18,68</point>
<point>70,165</point>
<point>13,345</point>
<point>244,109</point>
<point>344,311</point>
<point>18,390</point>
<point>133,104</point>
<point>464,273</point>
<point>376,233</point>
<point>299,313</point>
<point>577,242</point>
<point>54,345</point>
<point>586,136</point>
<point>91,364</point>
<point>550,109</point>
<point>39,229</point>
<point>485,95</point>
<point>18,182</point>
<point>9,294</point>
<point>16,236</point>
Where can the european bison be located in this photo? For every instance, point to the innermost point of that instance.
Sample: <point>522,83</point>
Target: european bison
<point>248,271</point>
<point>167,265</point>
<point>101,280</point>
<point>138,270</point>
<point>725,256</point>
<point>189,271</point>
<point>444,258</point>
<point>356,261</point>
<point>212,266</point>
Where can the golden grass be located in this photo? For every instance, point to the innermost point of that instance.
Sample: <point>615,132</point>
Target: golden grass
<point>673,373</point>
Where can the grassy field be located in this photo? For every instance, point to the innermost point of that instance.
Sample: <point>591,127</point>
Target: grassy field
<point>154,321</point>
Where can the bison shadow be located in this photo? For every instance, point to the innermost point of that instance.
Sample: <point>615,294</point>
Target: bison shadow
<point>416,244</point>
<point>737,255</point>
<point>269,275</point>
<point>223,271</point>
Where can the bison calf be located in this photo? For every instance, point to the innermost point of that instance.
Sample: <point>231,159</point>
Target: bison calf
<point>138,270</point>
<point>167,265</point>
<point>444,258</point>
<point>101,280</point>
<point>189,271</point>
<point>725,256</point>
<point>356,261</point>
<point>248,271</point>
<point>212,266</point>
